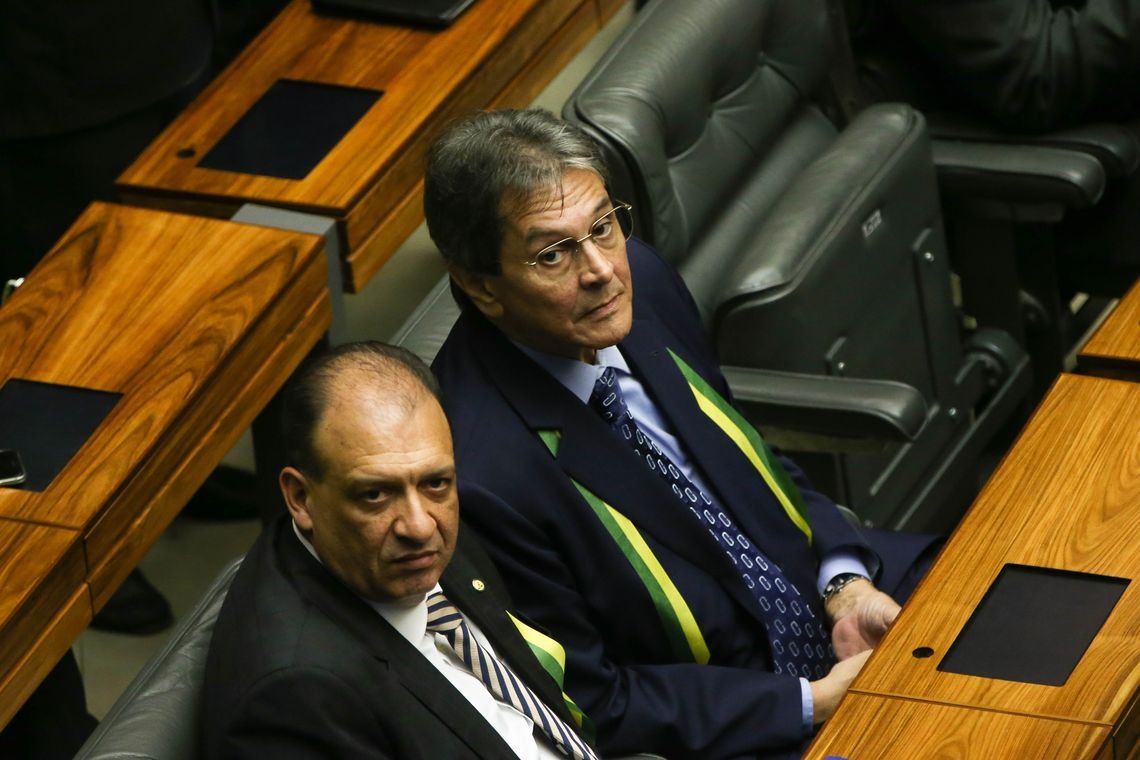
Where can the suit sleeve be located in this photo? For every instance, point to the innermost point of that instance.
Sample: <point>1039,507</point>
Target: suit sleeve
<point>304,713</point>
<point>680,710</point>
<point>1026,63</point>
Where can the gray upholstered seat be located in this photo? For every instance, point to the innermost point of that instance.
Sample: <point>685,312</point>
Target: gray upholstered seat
<point>156,718</point>
<point>816,255</point>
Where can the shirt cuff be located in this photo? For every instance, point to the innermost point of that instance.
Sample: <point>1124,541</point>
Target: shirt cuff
<point>838,562</point>
<point>808,706</point>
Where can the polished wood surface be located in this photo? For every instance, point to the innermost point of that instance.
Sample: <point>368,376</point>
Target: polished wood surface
<point>1066,497</point>
<point>498,51</point>
<point>366,259</point>
<point>872,727</point>
<point>44,605</point>
<point>1114,349</point>
<point>196,322</point>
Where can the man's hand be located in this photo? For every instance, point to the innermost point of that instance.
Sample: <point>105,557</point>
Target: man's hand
<point>860,615</point>
<point>827,691</point>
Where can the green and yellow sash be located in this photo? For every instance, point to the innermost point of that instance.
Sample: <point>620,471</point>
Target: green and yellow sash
<point>681,630</point>
<point>552,657</point>
<point>738,429</point>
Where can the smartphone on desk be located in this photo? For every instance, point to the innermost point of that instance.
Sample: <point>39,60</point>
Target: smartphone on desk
<point>12,471</point>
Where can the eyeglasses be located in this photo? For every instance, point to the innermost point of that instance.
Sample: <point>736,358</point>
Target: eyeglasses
<point>607,232</point>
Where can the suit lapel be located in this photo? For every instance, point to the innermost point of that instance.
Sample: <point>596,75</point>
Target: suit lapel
<point>590,454</point>
<point>415,673</point>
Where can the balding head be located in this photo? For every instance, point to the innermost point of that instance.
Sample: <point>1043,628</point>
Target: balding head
<point>397,374</point>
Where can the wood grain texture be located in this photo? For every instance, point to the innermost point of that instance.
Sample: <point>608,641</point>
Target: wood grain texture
<point>141,512</point>
<point>177,314</point>
<point>428,76</point>
<point>1066,496</point>
<point>869,727</point>
<point>43,601</point>
<point>365,259</point>
<point>1114,349</point>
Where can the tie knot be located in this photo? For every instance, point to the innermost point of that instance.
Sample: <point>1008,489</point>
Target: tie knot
<point>606,398</point>
<point>443,616</point>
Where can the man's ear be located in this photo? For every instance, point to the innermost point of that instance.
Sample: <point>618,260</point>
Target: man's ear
<point>478,287</point>
<point>295,489</point>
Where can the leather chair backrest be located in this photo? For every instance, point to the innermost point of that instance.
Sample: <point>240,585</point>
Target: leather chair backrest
<point>709,106</point>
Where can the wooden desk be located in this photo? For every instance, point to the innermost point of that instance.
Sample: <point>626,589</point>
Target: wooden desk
<point>1114,350</point>
<point>1067,496</point>
<point>498,53</point>
<point>197,323</point>
<point>872,727</point>
<point>44,605</point>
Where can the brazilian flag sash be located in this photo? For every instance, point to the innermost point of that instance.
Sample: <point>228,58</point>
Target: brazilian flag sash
<point>551,655</point>
<point>681,630</point>
<point>748,440</point>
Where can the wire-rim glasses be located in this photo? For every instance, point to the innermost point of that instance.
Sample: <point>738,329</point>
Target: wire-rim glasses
<point>607,232</point>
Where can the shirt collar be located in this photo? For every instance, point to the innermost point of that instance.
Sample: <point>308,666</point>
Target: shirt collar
<point>578,377</point>
<point>409,620</point>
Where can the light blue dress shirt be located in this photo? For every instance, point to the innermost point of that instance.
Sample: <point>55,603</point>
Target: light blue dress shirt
<point>579,379</point>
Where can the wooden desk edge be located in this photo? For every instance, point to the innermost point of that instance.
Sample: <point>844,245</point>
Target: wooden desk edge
<point>113,552</point>
<point>25,676</point>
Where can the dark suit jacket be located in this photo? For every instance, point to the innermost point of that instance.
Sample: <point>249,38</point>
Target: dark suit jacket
<point>300,667</point>
<point>1029,64</point>
<point>568,574</point>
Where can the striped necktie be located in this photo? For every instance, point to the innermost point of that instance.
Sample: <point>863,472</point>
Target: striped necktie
<point>443,617</point>
<point>800,642</point>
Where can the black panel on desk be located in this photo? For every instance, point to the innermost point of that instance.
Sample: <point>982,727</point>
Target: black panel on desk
<point>1033,625</point>
<point>48,424</point>
<point>429,12</point>
<point>290,129</point>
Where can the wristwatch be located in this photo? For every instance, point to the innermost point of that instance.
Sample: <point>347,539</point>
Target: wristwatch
<point>840,582</point>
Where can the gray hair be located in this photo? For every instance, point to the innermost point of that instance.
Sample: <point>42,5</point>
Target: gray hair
<point>490,157</point>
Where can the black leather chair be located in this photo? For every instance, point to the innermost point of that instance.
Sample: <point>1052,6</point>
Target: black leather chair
<point>817,256</point>
<point>1026,212</point>
<point>156,718</point>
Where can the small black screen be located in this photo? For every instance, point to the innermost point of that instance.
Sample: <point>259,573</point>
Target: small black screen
<point>1033,625</point>
<point>290,129</point>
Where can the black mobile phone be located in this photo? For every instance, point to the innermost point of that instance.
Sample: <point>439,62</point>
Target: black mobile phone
<point>11,468</point>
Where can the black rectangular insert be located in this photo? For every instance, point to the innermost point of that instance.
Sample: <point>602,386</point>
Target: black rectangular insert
<point>290,129</point>
<point>48,424</point>
<point>438,13</point>
<point>1033,625</point>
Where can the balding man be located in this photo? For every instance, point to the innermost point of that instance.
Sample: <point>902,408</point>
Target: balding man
<point>359,625</point>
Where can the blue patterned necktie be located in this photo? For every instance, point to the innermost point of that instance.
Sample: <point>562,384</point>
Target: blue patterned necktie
<point>800,643</point>
<point>445,618</point>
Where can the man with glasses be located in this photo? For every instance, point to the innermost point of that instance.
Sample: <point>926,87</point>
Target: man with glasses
<point>710,602</point>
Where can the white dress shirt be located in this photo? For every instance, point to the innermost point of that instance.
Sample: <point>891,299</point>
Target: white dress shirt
<point>410,620</point>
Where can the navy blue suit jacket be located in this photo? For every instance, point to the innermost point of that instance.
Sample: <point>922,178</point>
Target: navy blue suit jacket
<point>566,572</point>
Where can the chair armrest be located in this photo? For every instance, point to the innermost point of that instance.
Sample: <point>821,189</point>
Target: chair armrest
<point>1115,146</point>
<point>840,407</point>
<point>1025,174</point>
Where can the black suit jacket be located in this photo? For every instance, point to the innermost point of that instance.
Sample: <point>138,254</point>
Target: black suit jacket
<point>566,571</point>
<point>300,667</point>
